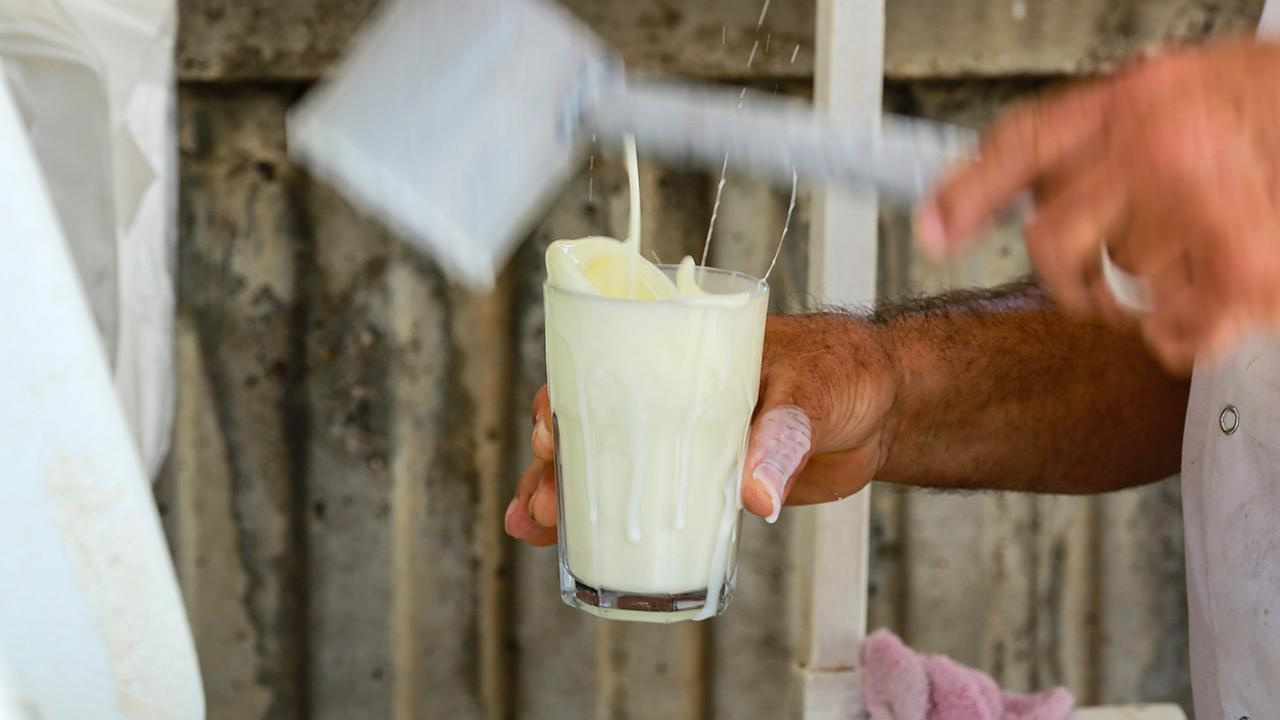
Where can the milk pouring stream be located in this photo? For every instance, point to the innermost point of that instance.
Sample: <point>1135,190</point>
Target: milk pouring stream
<point>653,375</point>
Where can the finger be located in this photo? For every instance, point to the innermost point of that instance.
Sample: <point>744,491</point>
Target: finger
<point>1175,331</point>
<point>1024,144</point>
<point>781,441</point>
<point>1050,185</point>
<point>1054,178</point>
<point>528,481</point>
<point>1214,321</point>
<point>543,440</point>
<point>1151,240</point>
<point>1179,327</point>
<point>522,527</point>
<point>1172,280</point>
<point>542,505</point>
<point>1101,302</point>
<point>1065,237</point>
<point>519,522</point>
<point>1104,303</point>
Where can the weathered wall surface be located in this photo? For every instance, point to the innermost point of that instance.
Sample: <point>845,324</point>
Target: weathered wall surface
<point>350,426</point>
<point>294,39</point>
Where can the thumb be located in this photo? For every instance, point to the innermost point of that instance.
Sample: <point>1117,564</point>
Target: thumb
<point>826,384</point>
<point>781,443</point>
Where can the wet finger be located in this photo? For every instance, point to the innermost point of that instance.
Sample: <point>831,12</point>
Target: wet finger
<point>781,439</point>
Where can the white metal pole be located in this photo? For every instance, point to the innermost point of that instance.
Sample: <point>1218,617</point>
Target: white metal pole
<point>831,547</point>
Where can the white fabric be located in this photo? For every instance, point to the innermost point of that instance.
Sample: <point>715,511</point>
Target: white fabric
<point>93,80</point>
<point>1269,25</point>
<point>1231,508</point>
<point>91,620</point>
<point>11,704</point>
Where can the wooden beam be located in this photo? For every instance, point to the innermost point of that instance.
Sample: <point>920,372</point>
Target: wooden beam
<point>833,541</point>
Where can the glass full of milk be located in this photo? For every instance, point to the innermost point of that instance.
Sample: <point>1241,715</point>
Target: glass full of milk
<point>652,402</point>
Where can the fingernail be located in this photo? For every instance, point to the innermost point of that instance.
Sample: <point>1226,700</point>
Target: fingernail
<point>929,230</point>
<point>771,479</point>
<point>506,519</point>
<point>784,438</point>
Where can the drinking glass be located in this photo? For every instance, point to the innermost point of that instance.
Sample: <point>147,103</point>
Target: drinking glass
<point>651,403</point>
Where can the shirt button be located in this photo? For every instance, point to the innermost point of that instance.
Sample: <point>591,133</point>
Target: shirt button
<point>1229,420</point>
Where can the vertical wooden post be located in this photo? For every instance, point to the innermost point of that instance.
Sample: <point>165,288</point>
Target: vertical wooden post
<point>832,544</point>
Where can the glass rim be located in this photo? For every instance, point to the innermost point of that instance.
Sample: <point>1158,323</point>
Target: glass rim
<point>761,288</point>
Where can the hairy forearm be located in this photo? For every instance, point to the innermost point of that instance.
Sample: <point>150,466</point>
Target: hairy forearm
<point>999,390</point>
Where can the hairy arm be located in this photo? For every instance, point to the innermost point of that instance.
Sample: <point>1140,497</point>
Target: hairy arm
<point>1000,390</point>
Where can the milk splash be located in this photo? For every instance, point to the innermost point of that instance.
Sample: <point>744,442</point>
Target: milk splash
<point>724,167</point>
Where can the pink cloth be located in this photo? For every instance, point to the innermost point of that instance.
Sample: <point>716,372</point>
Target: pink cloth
<point>901,684</point>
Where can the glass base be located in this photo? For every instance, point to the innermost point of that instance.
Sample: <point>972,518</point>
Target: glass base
<point>640,607</point>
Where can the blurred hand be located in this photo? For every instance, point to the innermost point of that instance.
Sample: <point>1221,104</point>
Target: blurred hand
<point>827,384</point>
<point>1173,164</point>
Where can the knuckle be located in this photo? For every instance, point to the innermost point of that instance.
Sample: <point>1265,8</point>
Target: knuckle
<point>1254,265</point>
<point>813,395</point>
<point>1233,266</point>
<point>1023,129</point>
<point>1162,145</point>
<point>1228,269</point>
<point>1247,280</point>
<point>1174,143</point>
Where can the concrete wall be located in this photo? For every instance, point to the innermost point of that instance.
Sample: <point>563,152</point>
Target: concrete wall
<point>350,426</point>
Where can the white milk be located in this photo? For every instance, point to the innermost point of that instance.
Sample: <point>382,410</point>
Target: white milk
<point>653,377</point>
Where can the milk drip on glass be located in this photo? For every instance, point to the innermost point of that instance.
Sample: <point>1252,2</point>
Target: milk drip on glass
<point>653,373</point>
